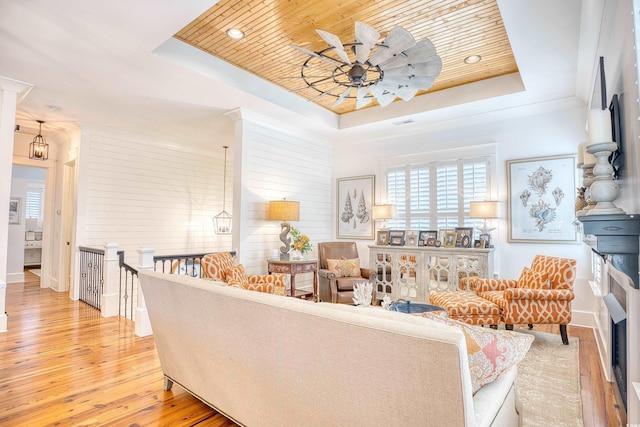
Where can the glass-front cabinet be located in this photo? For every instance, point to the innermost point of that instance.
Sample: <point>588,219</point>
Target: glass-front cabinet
<point>412,273</point>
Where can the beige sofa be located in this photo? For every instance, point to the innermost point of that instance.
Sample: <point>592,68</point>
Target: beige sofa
<point>267,360</point>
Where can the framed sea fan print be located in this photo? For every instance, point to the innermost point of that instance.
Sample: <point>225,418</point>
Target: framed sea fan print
<point>541,194</point>
<point>355,198</point>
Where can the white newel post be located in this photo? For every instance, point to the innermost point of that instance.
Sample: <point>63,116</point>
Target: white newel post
<point>143,325</point>
<point>110,298</point>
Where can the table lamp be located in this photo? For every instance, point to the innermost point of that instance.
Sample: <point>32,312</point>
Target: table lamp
<point>484,210</point>
<point>382,213</point>
<point>285,211</point>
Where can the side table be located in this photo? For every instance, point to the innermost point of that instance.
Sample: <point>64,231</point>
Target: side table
<point>293,267</point>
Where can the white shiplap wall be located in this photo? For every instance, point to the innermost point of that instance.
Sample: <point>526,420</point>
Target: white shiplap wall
<point>144,192</point>
<point>276,164</point>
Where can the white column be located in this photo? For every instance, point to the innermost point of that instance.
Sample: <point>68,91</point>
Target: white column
<point>11,92</point>
<point>110,298</point>
<point>143,325</point>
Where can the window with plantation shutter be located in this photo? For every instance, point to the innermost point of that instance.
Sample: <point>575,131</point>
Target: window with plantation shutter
<point>33,205</point>
<point>436,195</point>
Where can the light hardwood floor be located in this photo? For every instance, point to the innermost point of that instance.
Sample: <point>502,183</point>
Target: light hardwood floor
<point>62,364</point>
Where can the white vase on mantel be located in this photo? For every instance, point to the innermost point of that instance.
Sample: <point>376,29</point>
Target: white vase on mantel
<point>604,190</point>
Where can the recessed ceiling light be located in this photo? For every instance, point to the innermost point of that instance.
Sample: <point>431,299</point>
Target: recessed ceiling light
<point>472,59</point>
<point>53,107</point>
<point>235,34</point>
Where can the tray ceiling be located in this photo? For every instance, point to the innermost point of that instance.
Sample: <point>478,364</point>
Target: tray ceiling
<point>458,29</point>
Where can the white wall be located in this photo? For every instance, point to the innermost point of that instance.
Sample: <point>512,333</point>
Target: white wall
<point>279,161</point>
<point>136,191</point>
<point>514,136</point>
<point>15,248</point>
<point>616,45</point>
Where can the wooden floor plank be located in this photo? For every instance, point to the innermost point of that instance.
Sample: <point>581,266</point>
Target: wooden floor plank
<point>62,364</point>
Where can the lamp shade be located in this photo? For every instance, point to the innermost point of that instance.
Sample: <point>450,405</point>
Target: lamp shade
<point>284,210</point>
<point>486,209</point>
<point>382,212</point>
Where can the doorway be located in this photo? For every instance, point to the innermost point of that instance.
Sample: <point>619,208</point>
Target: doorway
<point>25,240</point>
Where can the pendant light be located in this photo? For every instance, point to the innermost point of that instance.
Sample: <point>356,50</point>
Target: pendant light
<point>222,221</point>
<point>39,149</point>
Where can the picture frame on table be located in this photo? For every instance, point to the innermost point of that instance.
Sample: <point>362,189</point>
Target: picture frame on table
<point>396,237</point>
<point>431,241</point>
<point>382,238</point>
<point>486,238</point>
<point>425,235</point>
<point>478,244</point>
<point>15,210</point>
<point>355,200</point>
<point>450,238</point>
<point>411,238</point>
<point>463,237</point>
<point>541,193</point>
<point>442,233</point>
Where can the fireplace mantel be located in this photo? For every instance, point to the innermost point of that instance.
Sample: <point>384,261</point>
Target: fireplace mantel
<point>616,236</point>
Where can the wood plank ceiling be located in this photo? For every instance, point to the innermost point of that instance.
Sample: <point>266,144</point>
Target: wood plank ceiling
<point>458,29</point>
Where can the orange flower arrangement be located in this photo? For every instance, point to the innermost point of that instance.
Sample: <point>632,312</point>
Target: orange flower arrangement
<point>301,241</point>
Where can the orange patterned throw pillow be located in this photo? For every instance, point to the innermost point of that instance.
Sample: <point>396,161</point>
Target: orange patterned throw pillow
<point>530,279</point>
<point>237,277</point>
<point>490,352</point>
<point>344,267</point>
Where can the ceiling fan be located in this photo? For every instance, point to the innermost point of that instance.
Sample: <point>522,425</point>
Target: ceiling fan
<point>398,67</point>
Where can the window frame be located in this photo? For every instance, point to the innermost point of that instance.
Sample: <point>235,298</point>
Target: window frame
<point>462,215</point>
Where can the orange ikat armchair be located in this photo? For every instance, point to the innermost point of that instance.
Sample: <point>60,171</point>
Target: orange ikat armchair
<point>220,266</point>
<point>542,294</point>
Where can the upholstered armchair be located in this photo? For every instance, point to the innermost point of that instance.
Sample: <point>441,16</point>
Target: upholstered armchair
<point>542,294</point>
<point>339,270</point>
<point>220,266</point>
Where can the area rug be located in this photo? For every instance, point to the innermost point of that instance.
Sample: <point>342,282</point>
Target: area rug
<point>549,382</point>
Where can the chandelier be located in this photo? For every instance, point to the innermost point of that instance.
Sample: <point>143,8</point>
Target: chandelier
<point>222,221</point>
<point>398,67</point>
<point>39,149</point>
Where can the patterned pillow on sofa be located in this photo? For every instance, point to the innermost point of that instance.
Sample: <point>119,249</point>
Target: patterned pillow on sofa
<point>490,352</point>
<point>344,267</point>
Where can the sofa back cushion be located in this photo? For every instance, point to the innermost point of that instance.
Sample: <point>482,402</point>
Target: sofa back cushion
<point>560,271</point>
<point>216,265</point>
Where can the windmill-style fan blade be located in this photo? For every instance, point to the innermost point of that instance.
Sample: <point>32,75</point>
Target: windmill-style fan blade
<point>419,83</point>
<point>383,97</point>
<point>368,37</point>
<point>362,99</point>
<point>388,86</point>
<point>407,92</point>
<point>326,92</point>
<point>342,97</point>
<point>334,41</point>
<point>329,61</point>
<point>397,41</point>
<point>423,51</point>
<point>425,69</point>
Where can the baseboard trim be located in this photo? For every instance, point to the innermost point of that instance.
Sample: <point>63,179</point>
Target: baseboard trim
<point>15,277</point>
<point>585,319</point>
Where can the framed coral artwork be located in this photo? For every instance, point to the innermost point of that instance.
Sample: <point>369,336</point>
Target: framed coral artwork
<point>355,198</point>
<point>541,194</point>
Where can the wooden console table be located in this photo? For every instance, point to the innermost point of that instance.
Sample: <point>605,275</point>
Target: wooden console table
<point>293,267</point>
